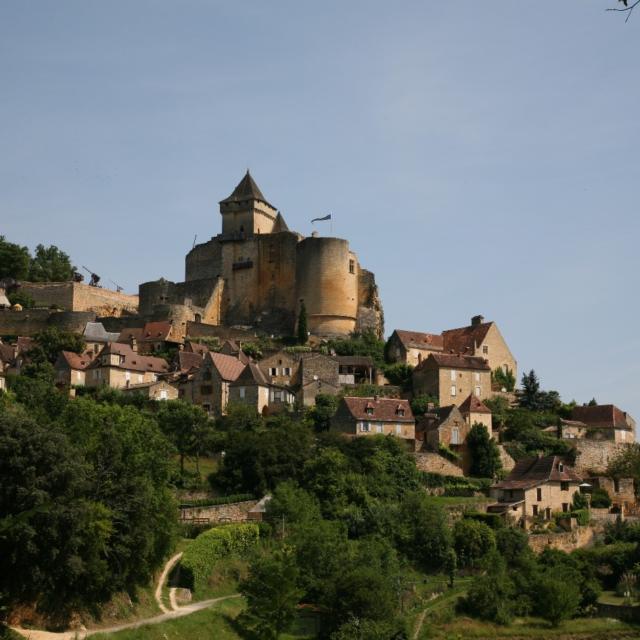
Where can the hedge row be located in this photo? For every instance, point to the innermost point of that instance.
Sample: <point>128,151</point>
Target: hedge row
<point>199,560</point>
<point>212,502</point>
<point>453,484</point>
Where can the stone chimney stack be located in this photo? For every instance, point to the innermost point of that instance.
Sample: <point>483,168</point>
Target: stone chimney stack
<point>476,320</point>
<point>134,344</point>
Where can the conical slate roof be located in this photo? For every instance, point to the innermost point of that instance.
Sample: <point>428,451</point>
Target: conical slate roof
<point>247,189</point>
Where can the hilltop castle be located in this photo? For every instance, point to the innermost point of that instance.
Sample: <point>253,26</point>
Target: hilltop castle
<point>256,272</point>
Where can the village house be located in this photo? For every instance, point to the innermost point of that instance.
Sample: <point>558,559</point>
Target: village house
<point>208,385</point>
<point>474,411</point>
<point>370,416</point>
<point>253,388</point>
<point>620,490</point>
<point>70,368</point>
<point>153,337</point>
<point>119,366</point>
<point>280,367</point>
<point>355,370</point>
<point>234,348</point>
<point>96,337</point>
<point>535,488</point>
<point>452,378</point>
<point>317,374</point>
<point>442,426</point>
<point>158,390</point>
<point>605,422</point>
<point>479,339</point>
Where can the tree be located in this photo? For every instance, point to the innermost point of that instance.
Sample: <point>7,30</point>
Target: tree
<point>272,595</point>
<point>187,426</point>
<point>399,374</point>
<point>324,409</point>
<point>472,540</point>
<point>420,404</point>
<point>626,464</point>
<point>530,394</point>
<point>52,341</point>
<point>303,331</point>
<point>50,264</point>
<point>485,455</point>
<point>557,598</point>
<point>14,260</point>
<point>628,8</point>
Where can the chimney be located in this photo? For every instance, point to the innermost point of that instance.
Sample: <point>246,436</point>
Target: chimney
<point>476,320</point>
<point>376,397</point>
<point>134,344</point>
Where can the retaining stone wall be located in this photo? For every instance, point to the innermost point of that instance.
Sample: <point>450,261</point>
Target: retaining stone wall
<point>234,512</point>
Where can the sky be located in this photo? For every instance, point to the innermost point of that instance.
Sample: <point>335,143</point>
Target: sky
<point>480,157</point>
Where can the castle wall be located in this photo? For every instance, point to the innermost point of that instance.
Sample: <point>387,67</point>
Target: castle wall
<point>204,261</point>
<point>327,284</point>
<point>31,321</point>
<point>76,296</point>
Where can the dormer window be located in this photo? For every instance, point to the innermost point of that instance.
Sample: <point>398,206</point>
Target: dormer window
<point>369,411</point>
<point>560,467</point>
<point>400,411</point>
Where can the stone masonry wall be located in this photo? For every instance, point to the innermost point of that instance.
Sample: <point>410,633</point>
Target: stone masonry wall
<point>568,541</point>
<point>28,322</point>
<point>435,463</point>
<point>235,512</point>
<point>593,456</point>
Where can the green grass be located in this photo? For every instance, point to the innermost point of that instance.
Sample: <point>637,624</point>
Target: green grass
<point>610,597</point>
<point>447,501</point>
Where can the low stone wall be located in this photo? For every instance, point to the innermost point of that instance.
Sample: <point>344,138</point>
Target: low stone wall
<point>626,613</point>
<point>435,463</point>
<point>28,322</point>
<point>593,456</point>
<point>234,512</point>
<point>567,541</point>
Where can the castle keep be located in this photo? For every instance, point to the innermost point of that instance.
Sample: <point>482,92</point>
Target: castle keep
<point>256,271</point>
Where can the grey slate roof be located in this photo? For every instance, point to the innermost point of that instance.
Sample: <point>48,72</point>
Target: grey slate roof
<point>95,332</point>
<point>247,189</point>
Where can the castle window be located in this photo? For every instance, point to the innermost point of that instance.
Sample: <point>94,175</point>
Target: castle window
<point>352,266</point>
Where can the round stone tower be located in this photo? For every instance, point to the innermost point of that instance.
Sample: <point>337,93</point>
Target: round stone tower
<point>327,281</point>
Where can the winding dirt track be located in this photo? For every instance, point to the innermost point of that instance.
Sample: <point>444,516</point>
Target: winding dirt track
<point>167,614</point>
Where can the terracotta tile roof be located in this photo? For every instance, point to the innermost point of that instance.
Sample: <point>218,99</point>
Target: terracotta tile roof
<point>196,347</point>
<point>530,472</point>
<point>7,352</point>
<point>465,339</point>
<point>128,333</point>
<point>252,375</point>
<point>78,361</point>
<point>418,340</point>
<point>473,405</point>
<point>381,409</point>
<point>601,415</point>
<point>355,361</point>
<point>156,331</point>
<point>132,360</point>
<point>228,367</point>
<point>455,361</point>
<point>188,360</point>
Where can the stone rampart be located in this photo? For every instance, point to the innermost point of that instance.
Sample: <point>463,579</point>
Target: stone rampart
<point>234,512</point>
<point>28,322</point>
<point>593,456</point>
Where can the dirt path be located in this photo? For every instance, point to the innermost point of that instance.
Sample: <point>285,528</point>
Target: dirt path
<point>178,612</point>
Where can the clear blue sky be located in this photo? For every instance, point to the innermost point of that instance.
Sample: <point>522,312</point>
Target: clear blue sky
<point>481,157</point>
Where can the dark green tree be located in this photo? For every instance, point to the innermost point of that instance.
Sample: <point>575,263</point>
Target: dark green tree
<point>530,393</point>
<point>503,379</point>
<point>50,264</point>
<point>557,599</point>
<point>324,409</point>
<point>485,455</point>
<point>272,595</point>
<point>303,330</point>
<point>14,260</point>
<point>472,540</point>
<point>420,404</point>
<point>52,341</point>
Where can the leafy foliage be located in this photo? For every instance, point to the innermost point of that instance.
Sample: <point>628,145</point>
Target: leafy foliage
<point>399,374</point>
<point>473,540</point>
<point>503,379</point>
<point>14,260</point>
<point>50,264</point>
<point>359,344</point>
<point>303,330</point>
<point>420,404</point>
<point>202,554</point>
<point>485,456</point>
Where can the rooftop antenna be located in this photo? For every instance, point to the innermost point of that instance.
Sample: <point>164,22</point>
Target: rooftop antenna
<point>118,287</point>
<point>194,240</point>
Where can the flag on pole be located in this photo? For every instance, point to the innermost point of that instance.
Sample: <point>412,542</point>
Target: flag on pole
<point>327,217</point>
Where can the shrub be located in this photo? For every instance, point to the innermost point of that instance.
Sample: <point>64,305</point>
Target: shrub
<point>212,502</point>
<point>447,453</point>
<point>201,556</point>
<point>472,541</point>
<point>493,520</point>
<point>557,599</point>
<point>582,516</point>
<point>600,499</point>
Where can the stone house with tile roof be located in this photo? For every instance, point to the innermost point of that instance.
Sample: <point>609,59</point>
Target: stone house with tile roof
<point>70,368</point>
<point>605,422</point>
<point>118,366</point>
<point>444,426</point>
<point>478,339</point>
<point>358,417</point>
<point>158,390</point>
<point>474,411</point>
<point>535,488</point>
<point>253,388</point>
<point>452,378</point>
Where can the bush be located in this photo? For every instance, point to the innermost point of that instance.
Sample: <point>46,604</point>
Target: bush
<point>582,516</point>
<point>600,499</point>
<point>447,453</point>
<point>473,540</point>
<point>201,556</point>
<point>557,599</point>
<point>493,520</point>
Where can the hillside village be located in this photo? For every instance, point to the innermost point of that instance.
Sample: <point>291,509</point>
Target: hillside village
<point>273,325</point>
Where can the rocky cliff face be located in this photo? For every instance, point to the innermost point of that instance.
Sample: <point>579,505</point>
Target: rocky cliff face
<point>370,311</point>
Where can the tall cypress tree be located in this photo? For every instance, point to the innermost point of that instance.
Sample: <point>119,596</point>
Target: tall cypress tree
<point>303,333</point>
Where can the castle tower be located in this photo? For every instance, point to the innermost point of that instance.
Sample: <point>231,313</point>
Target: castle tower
<point>246,211</point>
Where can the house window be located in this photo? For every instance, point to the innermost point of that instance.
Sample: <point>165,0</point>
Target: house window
<point>352,266</point>
<point>455,435</point>
<point>163,394</point>
<point>206,407</point>
<point>564,486</point>
<point>365,427</point>
<point>485,349</point>
<point>478,392</point>
<point>565,507</point>
<point>273,371</point>
<point>535,509</point>
<point>539,494</point>
<point>286,371</point>
<point>453,375</point>
<point>453,390</point>
<point>477,376</point>
<point>560,467</point>
<point>616,485</point>
<point>400,412</point>
<point>140,378</point>
<point>378,428</point>
<point>241,391</point>
<point>398,429</point>
<point>369,411</point>
<point>206,375</point>
<point>127,375</point>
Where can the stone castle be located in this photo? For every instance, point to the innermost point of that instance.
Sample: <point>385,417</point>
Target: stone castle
<point>256,273</point>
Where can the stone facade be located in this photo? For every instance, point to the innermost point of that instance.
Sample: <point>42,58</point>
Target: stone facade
<point>592,457</point>
<point>568,541</point>
<point>256,272</point>
<point>621,491</point>
<point>28,322</point>
<point>435,463</point>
